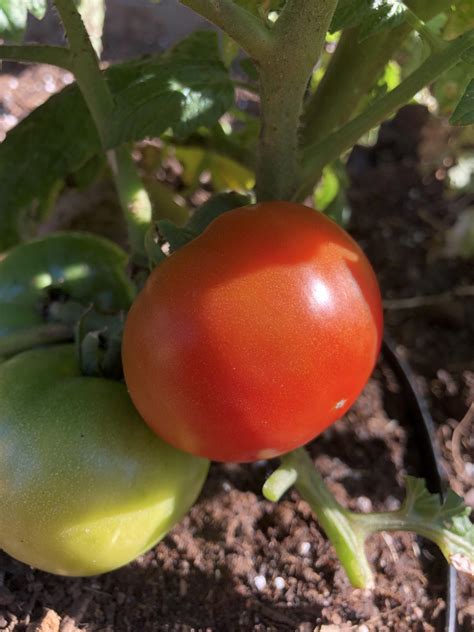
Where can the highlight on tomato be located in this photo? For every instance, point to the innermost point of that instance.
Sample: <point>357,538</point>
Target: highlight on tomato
<point>254,337</point>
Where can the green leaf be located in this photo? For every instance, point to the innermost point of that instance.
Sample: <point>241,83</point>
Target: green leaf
<point>447,523</point>
<point>14,13</point>
<point>183,90</point>
<point>349,13</point>
<point>176,237</point>
<point>384,14</point>
<point>464,112</point>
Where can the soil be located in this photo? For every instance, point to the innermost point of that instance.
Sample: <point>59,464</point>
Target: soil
<point>239,562</point>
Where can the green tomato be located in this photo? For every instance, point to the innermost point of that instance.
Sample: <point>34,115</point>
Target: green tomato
<point>85,485</point>
<point>81,267</point>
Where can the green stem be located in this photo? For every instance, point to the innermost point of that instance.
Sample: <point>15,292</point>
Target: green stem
<point>298,39</point>
<point>86,67</point>
<point>12,344</point>
<point>248,30</point>
<point>399,521</point>
<point>335,520</point>
<point>435,42</point>
<point>134,200</point>
<point>320,154</point>
<point>279,482</point>
<point>350,76</point>
<point>38,54</point>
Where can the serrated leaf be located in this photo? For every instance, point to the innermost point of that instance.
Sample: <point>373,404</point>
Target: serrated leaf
<point>464,112</point>
<point>384,14</point>
<point>182,90</point>
<point>349,13</point>
<point>14,13</point>
<point>447,523</point>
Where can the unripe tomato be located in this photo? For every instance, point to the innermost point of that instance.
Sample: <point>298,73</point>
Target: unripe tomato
<point>85,486</point>
<point>79,266</point>
<point>253,338</point>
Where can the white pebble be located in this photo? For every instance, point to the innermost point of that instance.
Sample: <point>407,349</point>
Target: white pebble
<point>260,582</point>
<point>279,583</point>
<point>305,548</point>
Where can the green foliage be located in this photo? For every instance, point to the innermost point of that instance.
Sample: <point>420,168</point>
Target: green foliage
<point>372,16</point>
<point>464,112</point>
<point>14,13</point>
<point>187,88</point>
<point>176,237</point>
<point>447,522</point>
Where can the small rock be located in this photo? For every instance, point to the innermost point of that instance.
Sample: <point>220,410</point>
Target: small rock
<point>260,582</point>
<point>362,628</point>
<point>49,623</point>
<point>305,548</point>
<point>279,583</point>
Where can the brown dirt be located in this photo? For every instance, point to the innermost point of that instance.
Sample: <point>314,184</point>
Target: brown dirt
<point>238,562</point>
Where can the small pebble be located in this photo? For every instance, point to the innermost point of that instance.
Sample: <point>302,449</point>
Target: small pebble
<point>364,504</point>
<point>362,628</point>
<point>305,548</point>
<point>260,582</point>
<point>279,583</point>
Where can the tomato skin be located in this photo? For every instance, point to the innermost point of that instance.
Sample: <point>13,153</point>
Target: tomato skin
<point>83,267</point>
<point>85,486</point>
<point>253,338</point>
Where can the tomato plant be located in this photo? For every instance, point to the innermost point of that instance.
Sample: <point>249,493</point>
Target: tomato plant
<point>263,325</point>
<point>254,337</point>
<point>85,485</point>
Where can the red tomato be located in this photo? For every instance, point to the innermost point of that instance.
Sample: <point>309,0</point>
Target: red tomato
<point>253,338</point>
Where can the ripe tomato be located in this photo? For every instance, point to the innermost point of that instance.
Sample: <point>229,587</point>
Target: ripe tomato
<point>253,338</point>
<point>85,486</point>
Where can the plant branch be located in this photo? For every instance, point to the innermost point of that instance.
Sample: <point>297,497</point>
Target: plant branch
<point>86,67</point>
<point>335,520</point>
<point>38,54</point>
<point>134,200</point>
<point>350,76</point>
<point>298,39</point>
<point>248,30</point>
<point>320,154</point>
<point>444,521</point>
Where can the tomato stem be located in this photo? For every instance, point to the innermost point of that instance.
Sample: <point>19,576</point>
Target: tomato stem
<point>443,521</point>
<point>321,153</point>
<point>347,538</point>
<point>136,205</point>
<point>134,199</point>
<point>17,342</point>
<point>279,482</point>
<point>34,54</point>
<point>298,40</point>
<point>248,30</point>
